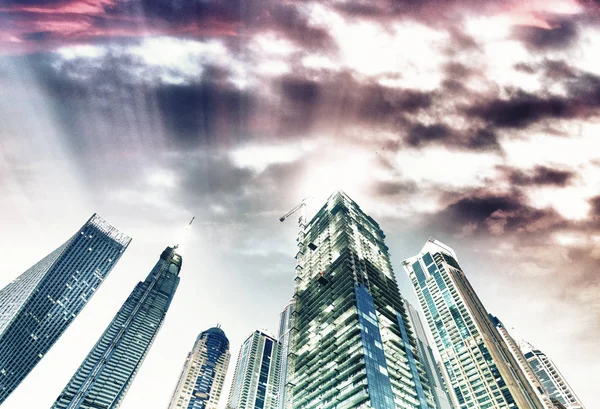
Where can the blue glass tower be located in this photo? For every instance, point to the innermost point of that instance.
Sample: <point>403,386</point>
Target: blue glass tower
<point>37,307</point>
<point>105,375</point>
<point>201,381</point>
<point>436,382</point>
<point>353,344</point>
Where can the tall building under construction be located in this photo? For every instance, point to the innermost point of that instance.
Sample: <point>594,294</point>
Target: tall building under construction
<point>353,345</point>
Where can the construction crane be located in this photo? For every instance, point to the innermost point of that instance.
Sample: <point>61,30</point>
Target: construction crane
<point>294,210</point>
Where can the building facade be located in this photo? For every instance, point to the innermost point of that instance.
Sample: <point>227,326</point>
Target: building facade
<point>105,375</point>
<point>38,306</point>
<point>203,374</point>
<point>479,369</point>
<point>286,325</point>
<point>256,377</point>
<point>552,380</point>
<point>353,344</point>
<point>436,382</point>
<point>523,364</point>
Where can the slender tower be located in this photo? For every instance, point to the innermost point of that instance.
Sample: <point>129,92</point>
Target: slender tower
<point>203,374</point>
<point>256,377</point>
<point>438,390</point>
<point>478,365</point>
<point>105,375</point>
<point>354,346</point>
<point>38,306</point>
<point>523,364</point>
<point>552,380</point>
<point>285,331</point>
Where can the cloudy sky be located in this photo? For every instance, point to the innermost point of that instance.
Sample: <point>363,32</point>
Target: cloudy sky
<point>475,124</point>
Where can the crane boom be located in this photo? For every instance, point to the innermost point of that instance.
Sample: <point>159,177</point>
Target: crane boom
<point>295,209</point>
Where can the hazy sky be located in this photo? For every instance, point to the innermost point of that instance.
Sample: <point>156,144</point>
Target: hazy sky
<point>475,124</point>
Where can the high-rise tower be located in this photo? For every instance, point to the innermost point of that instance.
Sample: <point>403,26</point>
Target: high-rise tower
<point>285,332</point>
<point>38,306</point>
<point>256,377</point>
<point>478,364</point>
<point>550,377</point>
<point>354,346</point>
<point>523,364</point>
<point>105,375</point>
<point>442,401</point>
<point>203,374</point>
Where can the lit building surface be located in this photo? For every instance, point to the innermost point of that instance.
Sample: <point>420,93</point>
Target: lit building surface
<point>203,374</point>
<point>354,347</point>
<point>38,306</point>
<point>256,378</point>
<point>105,375</point>
<point>438,390</point>
<point>523,364</point>
<point>479,369</point>
<point>285,334</point>
<point>550,377</point>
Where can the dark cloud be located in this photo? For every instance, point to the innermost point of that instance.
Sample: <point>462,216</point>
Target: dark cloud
<point>51,3</point>
<point>393,188</point>
<point>558,69</point>
<point>36,36</point>
<point>541,176</point>
<point>378,104</point>
<point>234,18</point>
<point>482,140</point>
<point>422,134</point>
<point>589,3</point>
<point>526,68</point>
<point>482,212</point>
<point>562,35</point>
<point>201,113</point>
<point>595,207</point>
<point>304,92</point>
<point>458,70</point>
<point>521,110</point>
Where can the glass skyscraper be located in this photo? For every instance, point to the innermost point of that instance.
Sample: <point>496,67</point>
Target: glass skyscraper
<point>353,344</point>
<point>203,374</point>
<point>38,306</point>
<point>438,389</point>
<point>256,378</point>
<point>555,384</point>
<point>105,375</point>
<point>480,370</point>
<point>285,332</point>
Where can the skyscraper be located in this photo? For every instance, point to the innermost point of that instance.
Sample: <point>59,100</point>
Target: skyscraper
<point>285,332</point>
<point>354,346</point>
<point>256,377</point>
<point>436,382</point>
<point>105,375</point>
<point>550,377</point>
<point>523,364</point>
<point>480,369</point>
<point>38,306</point>
<point>203,374</point>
